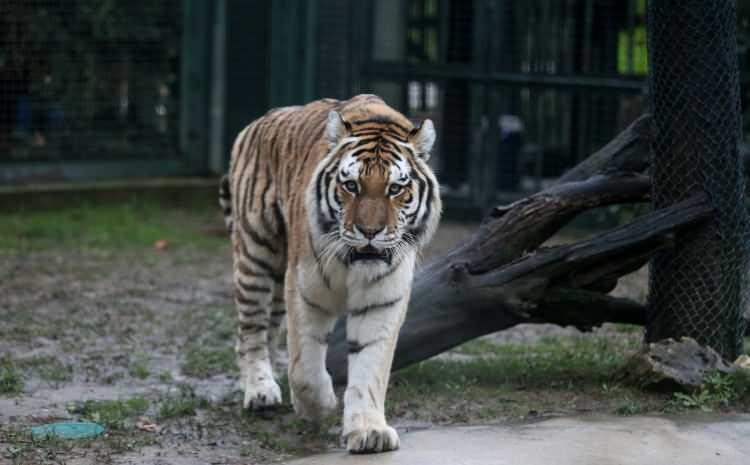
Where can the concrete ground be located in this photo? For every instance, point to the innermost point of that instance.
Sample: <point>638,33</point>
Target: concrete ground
<point>640,440</point>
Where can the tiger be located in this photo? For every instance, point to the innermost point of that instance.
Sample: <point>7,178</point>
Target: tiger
<point>328,206</point>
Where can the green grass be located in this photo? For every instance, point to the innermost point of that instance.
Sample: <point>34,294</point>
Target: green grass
<point>113,414</point>
<point>134,221</point>
<point>718,392</point>
<point>183,404</point>
<point>587,359</point>
<point>278,431</point>
<point>517,381</point>
<point>10,379</point>
<point>210,338</point>
<point>201,362</point>
<point>569,374</point>
<point>138,370</point>
<point>47,367</point>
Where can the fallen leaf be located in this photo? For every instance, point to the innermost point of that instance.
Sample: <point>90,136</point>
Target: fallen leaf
<point>147,425</point>
<point>161,244</point>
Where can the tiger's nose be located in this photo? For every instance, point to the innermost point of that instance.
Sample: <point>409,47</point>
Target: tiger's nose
<point>369,233</point>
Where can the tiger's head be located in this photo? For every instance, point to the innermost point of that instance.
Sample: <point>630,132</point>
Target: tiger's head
<point>373,198</point>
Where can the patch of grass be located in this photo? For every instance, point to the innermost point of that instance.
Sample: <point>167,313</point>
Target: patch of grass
<point>516,381</point>
<point>181,405</point>
<point>165,377</point>
<point>138,370</point>
<point>629,407</point>
<point>10,379</point>
<point>204,363</point>
<point>476,347</point>
<point>286,433</point>
<point>177,407</point>
<point>47,367</point>
<point>136,220</point>
<point>589,359</point>
<point>210,349</point>
<point>718,391</point>
<point>21,325</point>
<point>627,329</point>
<point>113,414</point>
<point>113,377</point>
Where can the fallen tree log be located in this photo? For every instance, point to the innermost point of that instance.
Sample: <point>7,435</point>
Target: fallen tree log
<point>501,276</point>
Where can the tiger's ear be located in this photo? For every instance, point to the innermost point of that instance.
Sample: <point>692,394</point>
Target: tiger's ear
<point>336,127</point>
<point>423,138</point>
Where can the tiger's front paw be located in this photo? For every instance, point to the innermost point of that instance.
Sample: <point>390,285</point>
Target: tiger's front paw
<point>368,432</point>
<point>261,393</point>
<point>314,400</point>
<point>372,440</point>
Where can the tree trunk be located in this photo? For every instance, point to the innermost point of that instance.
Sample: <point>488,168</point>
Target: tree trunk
<point>501,276</point>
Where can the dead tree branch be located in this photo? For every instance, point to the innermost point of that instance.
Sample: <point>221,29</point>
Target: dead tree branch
<point>502,276</point>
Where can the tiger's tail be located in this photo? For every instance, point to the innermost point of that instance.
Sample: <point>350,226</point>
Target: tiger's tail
<point>225,200</point>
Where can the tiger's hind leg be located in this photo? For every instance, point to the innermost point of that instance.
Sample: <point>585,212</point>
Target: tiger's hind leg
<point>258,271</point>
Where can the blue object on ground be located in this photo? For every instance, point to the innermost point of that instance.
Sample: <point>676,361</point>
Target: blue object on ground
<point>69,430</point>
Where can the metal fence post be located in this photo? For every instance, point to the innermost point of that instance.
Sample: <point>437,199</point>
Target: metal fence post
<point>698,288</point>
<point>195,85</point>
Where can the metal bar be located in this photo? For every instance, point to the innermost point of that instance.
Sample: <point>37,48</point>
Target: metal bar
<point>194,89</point>
<point>631,36</point>
<point>310,48</point>
<point>217,152</point>
<point>185,69</point>
<point>398,71</point>
<point>587,34</point>
<point>22,173</point>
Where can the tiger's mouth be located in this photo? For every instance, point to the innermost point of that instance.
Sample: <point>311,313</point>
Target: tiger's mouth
<point>369,253</point>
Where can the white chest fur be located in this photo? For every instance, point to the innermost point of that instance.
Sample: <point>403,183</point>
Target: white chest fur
<point>340,289</point>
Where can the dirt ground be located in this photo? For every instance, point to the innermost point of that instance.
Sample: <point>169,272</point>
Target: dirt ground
<point>132,327</point>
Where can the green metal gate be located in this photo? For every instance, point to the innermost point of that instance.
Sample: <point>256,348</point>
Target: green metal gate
<point>519,90</point>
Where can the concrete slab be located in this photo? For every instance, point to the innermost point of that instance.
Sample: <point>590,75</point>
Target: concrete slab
<point>642,440</point>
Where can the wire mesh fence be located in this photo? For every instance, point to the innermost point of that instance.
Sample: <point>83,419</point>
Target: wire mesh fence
<point>698,288</point>
<point>87,79</point>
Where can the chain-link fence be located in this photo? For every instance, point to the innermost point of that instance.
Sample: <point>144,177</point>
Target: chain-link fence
<point>698,288</point>
<point>89,80</point>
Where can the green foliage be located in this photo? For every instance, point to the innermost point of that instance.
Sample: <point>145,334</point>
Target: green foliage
<point>718,390</point>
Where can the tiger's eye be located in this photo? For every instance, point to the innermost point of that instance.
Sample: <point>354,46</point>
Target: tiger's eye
<point>395,189</point>
<point>351,186</point>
